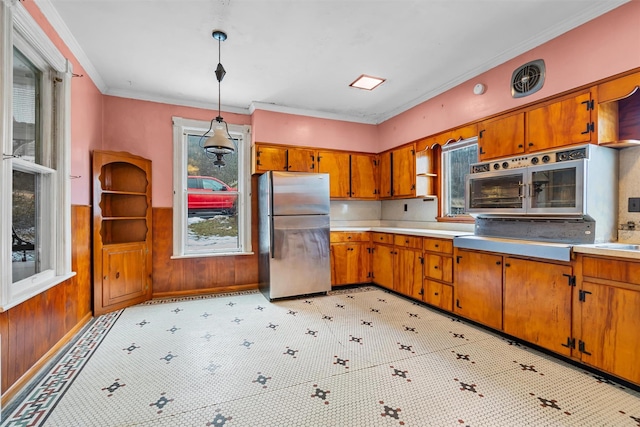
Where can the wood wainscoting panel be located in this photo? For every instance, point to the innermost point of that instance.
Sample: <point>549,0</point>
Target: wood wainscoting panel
<point>33,330</point>
<point>184,276</point>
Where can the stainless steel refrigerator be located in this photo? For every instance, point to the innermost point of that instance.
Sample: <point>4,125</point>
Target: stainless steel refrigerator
<point>293,232</point>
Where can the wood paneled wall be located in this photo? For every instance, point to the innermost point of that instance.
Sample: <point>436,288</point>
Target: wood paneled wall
<point>188,276</point>
<point>41,325</point>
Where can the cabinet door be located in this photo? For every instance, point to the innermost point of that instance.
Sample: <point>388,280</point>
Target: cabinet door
<point>478,287</point>
<point>610,339</point>
<point>382,265</point>
<point>385,175</point>
<point>270,158</point>
<point>561,123</point>
<point>336,164</point>
<point>301,160</point>
<point>404,172</point>
<point>537,303</point>
<point>501,137</point>
<point>407,276</point>
<point>438,294</point>
<point>349,263</point>
<point>364,174</point>
<point>124,271</point>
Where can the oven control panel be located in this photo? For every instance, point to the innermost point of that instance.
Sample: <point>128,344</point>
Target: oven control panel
<point>531,160</point>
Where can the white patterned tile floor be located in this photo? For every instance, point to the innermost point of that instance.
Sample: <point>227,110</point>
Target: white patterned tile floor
<point>359,357</point>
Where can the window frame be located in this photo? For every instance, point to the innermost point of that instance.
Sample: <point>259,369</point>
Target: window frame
<point>181,129</point>
<point>21,31</point>
<point>445,199</point>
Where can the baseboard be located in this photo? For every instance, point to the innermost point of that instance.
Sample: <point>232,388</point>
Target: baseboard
<point>216,290</point>
<point>17,386</point>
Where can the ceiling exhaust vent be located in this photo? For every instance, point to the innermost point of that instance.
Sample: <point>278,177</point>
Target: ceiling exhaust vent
<point>528,79</point>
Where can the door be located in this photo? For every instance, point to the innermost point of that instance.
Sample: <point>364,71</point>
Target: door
<point>296,193</point>
<point>349,263</point>
<point>364,182</point>
<point>407,269</point>
<point>300,262</point>
<point>335,164</point>
<point>478,287</point>
<point>556,188</point>
<point>537,303</point>
<point>496,192</point>
<point>501,137</point>
<point>301,160</point>
<point>385,175</point>
<point>124,272</point>
<point>404,175</point>
<point>271,158</point>
<point>382,265</point>
<point>614,345</point>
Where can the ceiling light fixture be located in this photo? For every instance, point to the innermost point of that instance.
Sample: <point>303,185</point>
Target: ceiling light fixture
<point>367,82</point>
<point>220,143</point>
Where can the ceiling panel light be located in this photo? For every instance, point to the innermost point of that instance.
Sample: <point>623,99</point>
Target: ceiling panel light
<point>367,82</point>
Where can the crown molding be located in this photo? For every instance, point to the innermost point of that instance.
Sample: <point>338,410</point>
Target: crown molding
<point>256,105</point>
<point>54,18</point>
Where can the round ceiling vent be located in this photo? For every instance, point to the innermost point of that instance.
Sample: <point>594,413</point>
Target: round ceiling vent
<point>527,79</point>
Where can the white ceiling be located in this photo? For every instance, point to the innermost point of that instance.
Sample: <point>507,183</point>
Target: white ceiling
<point>301,55</point>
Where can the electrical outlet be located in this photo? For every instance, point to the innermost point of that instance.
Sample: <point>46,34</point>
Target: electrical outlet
<point>405,206</point>
<point>634,204</point>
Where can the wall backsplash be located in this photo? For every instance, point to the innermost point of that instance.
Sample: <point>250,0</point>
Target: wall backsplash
<point>356,210</point>
<point>409,210</point>
<point>629,186</point>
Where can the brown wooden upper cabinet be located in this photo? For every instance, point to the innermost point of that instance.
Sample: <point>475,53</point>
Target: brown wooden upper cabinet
<point>267,157</point>
<point>565,122</point>
<point>619,111</point>
<point>501,137</point>
<point>397,172</point>
<point>352,176</point>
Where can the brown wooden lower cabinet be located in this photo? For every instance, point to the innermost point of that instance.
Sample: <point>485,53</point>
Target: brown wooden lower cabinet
<point>478,287</point>
<point>537,303</point>
<point>438,294</point>
<point>407,272</point>
<point>382,261</point>
<point>606,315</point>
<point>349,263</point>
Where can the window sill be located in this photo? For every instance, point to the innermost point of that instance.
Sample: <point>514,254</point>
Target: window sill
<point>462,219</point>
<point>210,255</point>
<point>44,287</point>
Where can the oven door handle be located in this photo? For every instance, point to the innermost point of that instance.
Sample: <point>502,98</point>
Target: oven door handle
<point>521,190</point>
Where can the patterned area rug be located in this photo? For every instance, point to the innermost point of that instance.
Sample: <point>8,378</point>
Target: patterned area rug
<point>358,357</point>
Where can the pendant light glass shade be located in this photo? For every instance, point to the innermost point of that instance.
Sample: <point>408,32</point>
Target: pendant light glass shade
<point>219,142</point>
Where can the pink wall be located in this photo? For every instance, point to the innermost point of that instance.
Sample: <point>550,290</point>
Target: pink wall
<point>598,49</point>
<point>145,128</point>
<point>289,129</point>
<point>86,115</point>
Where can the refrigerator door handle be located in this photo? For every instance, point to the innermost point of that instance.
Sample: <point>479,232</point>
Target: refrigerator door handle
<point>272,233</point>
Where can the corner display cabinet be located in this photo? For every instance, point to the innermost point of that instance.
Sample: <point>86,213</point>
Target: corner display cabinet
<point>121,230</point>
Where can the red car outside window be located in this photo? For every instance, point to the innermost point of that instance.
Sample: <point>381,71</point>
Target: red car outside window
<point>208,196</point>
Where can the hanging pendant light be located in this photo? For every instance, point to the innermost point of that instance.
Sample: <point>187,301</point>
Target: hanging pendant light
<point>220,143</point>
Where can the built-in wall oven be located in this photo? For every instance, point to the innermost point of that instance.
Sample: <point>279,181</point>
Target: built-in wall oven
<point>578,182</point>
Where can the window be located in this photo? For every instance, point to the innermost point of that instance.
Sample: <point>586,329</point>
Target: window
<point>456,161</point>
<point>212,206</point>
<point>34,199</point>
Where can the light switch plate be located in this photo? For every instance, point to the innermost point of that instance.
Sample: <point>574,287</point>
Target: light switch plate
<point>634,204</point>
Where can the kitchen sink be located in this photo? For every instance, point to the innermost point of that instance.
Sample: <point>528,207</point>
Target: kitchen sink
<point>622,246</point>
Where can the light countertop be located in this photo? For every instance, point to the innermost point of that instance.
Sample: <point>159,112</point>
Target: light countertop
<point>423,232</point>
<point>595,249</point>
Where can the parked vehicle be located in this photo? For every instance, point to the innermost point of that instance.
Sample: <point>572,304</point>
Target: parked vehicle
<point>208,196</point>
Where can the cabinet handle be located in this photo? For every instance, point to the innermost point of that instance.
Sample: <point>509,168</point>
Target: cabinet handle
<point>498,263</point>
<point>348,237</point>
<point>458,303</point>
<point>531,144</point>
<point>458,258</point>
<point>435,293</point>
<point>117,274</point>
<point>520,145</point>
<point>507,265</point>
<point>435,266</point>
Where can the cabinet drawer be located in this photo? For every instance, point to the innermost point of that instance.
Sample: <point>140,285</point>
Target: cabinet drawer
<point>438,267</point>
<point>603,268</point>
<point>349,236</point>
<point>385,238</point>
<point>438,294</point>
<point>407,241</point>
<point>438,245</point>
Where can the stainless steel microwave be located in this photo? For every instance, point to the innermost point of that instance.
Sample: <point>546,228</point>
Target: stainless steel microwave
<point>567,182</point>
